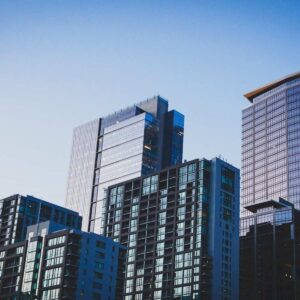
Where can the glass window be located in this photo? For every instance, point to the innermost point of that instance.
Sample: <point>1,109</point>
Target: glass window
<point>52,277</point>
<point>54,256</point>
<point>57,240</point>
<point>163,203</point>
<point>150,185</point>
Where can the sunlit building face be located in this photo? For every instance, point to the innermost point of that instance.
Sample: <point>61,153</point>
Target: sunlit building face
<point>271,143</point>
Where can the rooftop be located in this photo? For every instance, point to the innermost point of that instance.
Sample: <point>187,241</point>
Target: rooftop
<point>251,95</point>
<point>281,203</point>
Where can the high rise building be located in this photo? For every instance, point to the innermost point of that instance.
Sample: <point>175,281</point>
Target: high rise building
<point>12,264</point>
<point>135,141</point>
<point>17,212</point>
<point>269,228</point>
<point>181,228</point>
<point>271,143</point>
<point>58,263</point>
<point>270,252</point>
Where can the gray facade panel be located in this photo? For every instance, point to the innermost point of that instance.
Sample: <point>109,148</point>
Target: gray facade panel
<point>81,170</point>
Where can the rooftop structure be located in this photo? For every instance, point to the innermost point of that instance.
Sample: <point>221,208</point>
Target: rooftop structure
<point>268,87</point>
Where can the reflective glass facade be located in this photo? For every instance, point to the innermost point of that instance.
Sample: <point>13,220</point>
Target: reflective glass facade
<point>132,142</point>
<point>81,170</point>
<point>271,146</point>
<point>174,124</point>
<point>181,230</point>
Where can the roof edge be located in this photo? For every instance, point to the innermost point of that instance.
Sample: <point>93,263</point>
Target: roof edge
<point>265,88</point>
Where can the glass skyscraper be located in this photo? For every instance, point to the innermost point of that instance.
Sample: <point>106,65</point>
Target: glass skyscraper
<point>135,141</point>
<point>271,143</point>
<point>270,203</point>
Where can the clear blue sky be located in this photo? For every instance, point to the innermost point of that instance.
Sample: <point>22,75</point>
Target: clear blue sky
<point>63,63</point>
